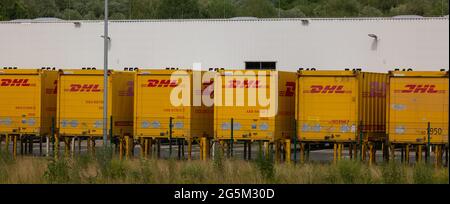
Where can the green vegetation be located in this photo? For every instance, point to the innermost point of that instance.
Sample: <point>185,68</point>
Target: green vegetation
<point>176,9</point>
<point>94,170</point>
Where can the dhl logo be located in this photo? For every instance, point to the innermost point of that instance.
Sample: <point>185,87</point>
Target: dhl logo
<point>290,89</point>
<point>53,90</point>
<point>244,84</point>
<point>419,88</point>
<point>15,82</point>
<point>84,88</point>
<point>328,89</point>
<point>161,83</point>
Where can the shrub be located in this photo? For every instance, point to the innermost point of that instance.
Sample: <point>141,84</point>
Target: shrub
<point>58,172</point>
<point>266,167</point>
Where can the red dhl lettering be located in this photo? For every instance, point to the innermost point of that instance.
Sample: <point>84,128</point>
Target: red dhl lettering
<point>419,88</point>
<point>53,90</point>
<point>161,83</point>
<point>15,82</point>
<point>244,84</point>
<point>290,89</point>
<point>328,89</point>
<point>84,88</point>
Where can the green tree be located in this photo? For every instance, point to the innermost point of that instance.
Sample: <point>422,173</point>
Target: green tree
<point>413,7</point>
<point>70,14</point>
<point>44,8</point>
<point>90,16</point>
<point>257,8</point>
<point>339,8</point>
<point>295,12</point>
<point>117,16</point>
<point>13,9</point>
<point>220,9</point>
<point>369,11</point>
<point>178,9</point>
<point>144,9</point>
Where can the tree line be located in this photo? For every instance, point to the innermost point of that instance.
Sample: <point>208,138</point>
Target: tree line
<point>188,9</point>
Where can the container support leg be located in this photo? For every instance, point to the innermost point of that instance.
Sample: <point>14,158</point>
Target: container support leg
<point>93,145</point>
<point>302,152</point>
<point>277,151</point>
<point>392,154</point>
<point>419,153</point>
<point>287,148</point>
<point>183,143</point>
<point>266,149</point>
<point>249,146</point>
<point>204,148</point>
<point>189,153</point>
<point>141,147</point>
<point>179,148</point>
<point>245,150</point>
<point>7,140</point>
<point>334,152</point>
<point>56,146</point>
<point>350,150</point>
<point>127,147</point>
<point>66,146</point>
<point>121,147</point>
<point>158,149</point>
<point>22,146</point>
<point>47,146</point>
<point>407,154</point>
<point>31,144</point>
<point>40,145</point>
<point>72,149</point>
<point>446,156</point>
<point>14,146</point>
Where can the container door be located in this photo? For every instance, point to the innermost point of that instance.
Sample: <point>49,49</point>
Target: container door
<point>327,108</point>
<point>154,107</point>
<point>80,105</point>
<point>244,108</point>
<point>413,103</point>
<point>20,103</point>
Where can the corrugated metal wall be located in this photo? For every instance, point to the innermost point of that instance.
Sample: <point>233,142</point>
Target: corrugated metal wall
<point>322,43</point>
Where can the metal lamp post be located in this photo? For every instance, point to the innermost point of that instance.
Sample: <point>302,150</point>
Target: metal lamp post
<point>105,79</point>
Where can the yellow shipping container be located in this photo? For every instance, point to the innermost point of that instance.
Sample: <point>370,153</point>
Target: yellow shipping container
<point>80,102</point>
<point>28,101</point>
<point>237,96</point>
<point>122,102</point>
<point>153,107</point>
<point>335,106</point>
<point>416,98</point>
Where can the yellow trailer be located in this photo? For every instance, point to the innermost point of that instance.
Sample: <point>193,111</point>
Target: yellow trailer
<point>80,106</point>
<point>80,103</point>
<point>254,106</point>
<point>341,107</point>
<point>122,103</point>
<point>158,114</point>
<point>27,105</point>
<point>417,110</point>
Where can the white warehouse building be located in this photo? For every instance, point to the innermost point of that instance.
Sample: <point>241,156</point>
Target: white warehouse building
<point>373,44</point>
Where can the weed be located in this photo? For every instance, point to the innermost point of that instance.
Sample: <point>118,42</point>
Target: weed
<point>58,171</point>
<point>393,173</point>
<point>265,166</point>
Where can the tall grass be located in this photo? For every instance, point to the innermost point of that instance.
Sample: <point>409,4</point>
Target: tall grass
<point>104,168</point>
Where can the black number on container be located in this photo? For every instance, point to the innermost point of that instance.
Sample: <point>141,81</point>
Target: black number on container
<point>435,131</point>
